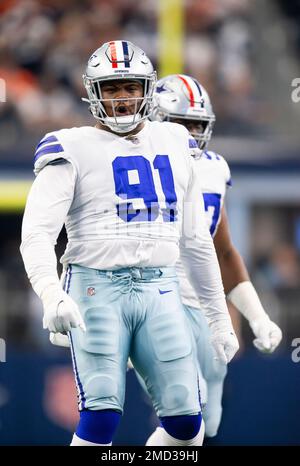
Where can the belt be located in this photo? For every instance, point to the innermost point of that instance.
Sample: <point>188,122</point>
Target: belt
<point>135,273</point>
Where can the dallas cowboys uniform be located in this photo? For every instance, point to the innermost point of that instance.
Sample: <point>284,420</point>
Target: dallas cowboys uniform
<point>130,197</point>
<point>123,204</point>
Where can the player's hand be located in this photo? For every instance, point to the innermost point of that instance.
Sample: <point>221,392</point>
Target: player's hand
<point>61,313</point>
<point>268,334</point>
<point>224,340</point>
<point>59,339</point>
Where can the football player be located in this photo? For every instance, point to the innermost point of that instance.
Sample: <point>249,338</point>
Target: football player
<point>130,198</point>
<point>182,99</point>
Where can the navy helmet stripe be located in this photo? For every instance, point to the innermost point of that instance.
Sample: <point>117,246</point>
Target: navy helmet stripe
<point>53,149</point>
<point>198,87</point>
<point>126,54</point>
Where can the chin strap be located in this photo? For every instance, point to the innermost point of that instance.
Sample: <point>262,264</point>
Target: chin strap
<point>122,124</point>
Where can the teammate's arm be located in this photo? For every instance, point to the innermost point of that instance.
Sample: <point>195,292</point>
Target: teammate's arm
<point>200,261</point>
<point>46,209</point>
<point>240,290</point>
<point>232,266</point>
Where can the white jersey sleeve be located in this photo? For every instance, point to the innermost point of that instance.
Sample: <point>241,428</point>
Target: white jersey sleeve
<point>214,178</point>
<point>198,254</point>
<point>46,209</point>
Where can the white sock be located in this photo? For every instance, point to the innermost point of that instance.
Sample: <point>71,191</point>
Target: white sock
<point>161,438</point>
<point>79,442</point>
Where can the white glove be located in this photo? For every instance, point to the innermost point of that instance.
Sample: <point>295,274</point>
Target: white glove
<point>224,340</point>
<point>245,299</point>
<point>61,313</point>
<point>59,339</point>
<point>268,334</point>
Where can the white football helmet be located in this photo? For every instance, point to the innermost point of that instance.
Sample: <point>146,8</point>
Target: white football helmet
<point>119,59</point>
<point>181,97</point>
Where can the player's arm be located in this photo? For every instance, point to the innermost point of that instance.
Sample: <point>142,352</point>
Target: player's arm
<point>200,261</point>
<point>47,206</point>
<point>240,290</point>
<point>232,266</point>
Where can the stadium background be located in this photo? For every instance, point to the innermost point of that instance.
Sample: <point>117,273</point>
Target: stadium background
<point>246,53</point>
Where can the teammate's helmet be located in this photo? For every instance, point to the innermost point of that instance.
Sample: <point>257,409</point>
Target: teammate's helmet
<point>181,97</point>
<point>119,59</point>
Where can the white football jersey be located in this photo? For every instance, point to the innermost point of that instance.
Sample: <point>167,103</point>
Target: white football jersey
<point>215,178</point>
<point>120,183</point>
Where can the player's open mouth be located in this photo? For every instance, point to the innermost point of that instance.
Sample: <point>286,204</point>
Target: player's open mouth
<point>122,110</point>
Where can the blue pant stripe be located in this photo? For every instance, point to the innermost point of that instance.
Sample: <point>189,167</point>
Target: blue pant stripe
<point>80,390</point>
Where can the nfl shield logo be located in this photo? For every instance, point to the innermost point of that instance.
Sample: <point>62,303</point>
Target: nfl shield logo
<point>91,291</point>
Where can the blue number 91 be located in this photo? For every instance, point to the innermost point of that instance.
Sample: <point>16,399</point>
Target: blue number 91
<point>143,187</point>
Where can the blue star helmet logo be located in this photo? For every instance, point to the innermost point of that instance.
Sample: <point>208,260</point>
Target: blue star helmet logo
<point>160,89</point>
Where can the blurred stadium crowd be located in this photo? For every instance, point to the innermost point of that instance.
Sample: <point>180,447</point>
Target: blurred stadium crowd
<point>45,45</point>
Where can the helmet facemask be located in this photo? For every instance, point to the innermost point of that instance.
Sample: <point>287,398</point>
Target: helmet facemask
<point>202,136</point>
<point>120,124</point>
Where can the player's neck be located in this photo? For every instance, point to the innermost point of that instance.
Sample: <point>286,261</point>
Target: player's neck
<point>134,131</point>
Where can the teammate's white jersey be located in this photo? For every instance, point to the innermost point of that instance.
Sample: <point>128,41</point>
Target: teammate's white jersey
<point>215,177</point>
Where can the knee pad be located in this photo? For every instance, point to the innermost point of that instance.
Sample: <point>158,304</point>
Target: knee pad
<point>175,395</point>
<point>98,426</point>
<point>101,386</point>
<point>180,393</point>
<point>182,427</point>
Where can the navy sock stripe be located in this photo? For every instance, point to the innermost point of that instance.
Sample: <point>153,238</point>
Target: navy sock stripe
<point>183,427</point>
<point>98,426</point>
